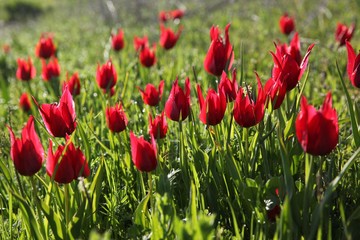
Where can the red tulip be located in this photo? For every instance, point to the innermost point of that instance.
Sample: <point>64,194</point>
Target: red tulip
<point>168,38</point>
<point>230,88</point>
<point>143,154</point>
<point>147,56</point>
<point>25,103</point>
<point>26,70</point>
<point>106,76</point>
<point>344,33</point>
<point>276,92</point>
<point>212,109</point>
<point>353,65</point>
<point>317,131</point>
<point>177,13</point>
<point>286,68</point>
<point>115,118</point>
<point>178,103</point>
<point>72,83</point>
<point>247,111</point>
<point>150,95</point>
<point>67,163</point>
<point>51,69</point>
<point>287,24</point>
<point>164,16</point>
<point>140,43</point>
<point>220,52</point>
<point>26,152</point>
<point>59,118</point>
<point>273,213</point>
<point>45,48</point>
<point>117,41</point>
<point>158,128</point>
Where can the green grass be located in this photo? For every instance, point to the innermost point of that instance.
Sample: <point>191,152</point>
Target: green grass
<point>211,182</point>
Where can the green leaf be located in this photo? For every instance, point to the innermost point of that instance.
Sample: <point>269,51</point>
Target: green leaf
<point>56,224</point>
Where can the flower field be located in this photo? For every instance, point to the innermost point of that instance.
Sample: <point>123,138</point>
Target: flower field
<point>179,120</point>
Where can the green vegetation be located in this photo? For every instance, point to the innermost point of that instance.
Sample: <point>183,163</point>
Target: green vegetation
<point>211,181</point>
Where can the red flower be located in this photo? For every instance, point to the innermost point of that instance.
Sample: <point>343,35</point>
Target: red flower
<point>59,118</point>
<point>106,76</point>
<point>168,38</point>
<point>25,103</point>
<point>143,154</point>
<point>287,68</point>
<point>26,70</point>
<point>115,118</point>
<point>164,16</point>
<point>26,152</point>
<point>276,92</point>
<point>51,69</point>
<point>117,41</point>
<point>220,52</point>
<point>317,131</point>
<point>230,88</point>
<point>73,84</point>
<point>212,109</point>
<point>147,56</point>
<point>67,163</point>
<point>151,96</point>
<point>287,24</point>
<point>273,213</point>
<point>247,111</point>
<point>45,48</point>
<point>344,33</point>
<point>177,13</point>
<point>353,65</point>
<point>158,128</point>
<point>178,103</point>
<point>140,43</point>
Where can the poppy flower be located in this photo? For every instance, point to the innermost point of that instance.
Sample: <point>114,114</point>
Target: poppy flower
<point>26,70</point>
<point>177,13</point>
<point>51,69</point>
<point>317,130</point>
<point>344,33</point>
<point>287,68</point>
<point>24,102</point>
<point>249,111</point>
<point>67,163</point>
<point>59,118</point>
<point>168,38</point>
<point>353,65</point>
<point>115,118</point>
<point>26,152</point>
<point>147,56</point>
<point>152,96</point>
<point>143,153</point>
<point>220,52</point>
<point>287,24</point>
<point>45,48</point>
<point>72,83</point>
<point>158,126</point>
<point>117,41</point>
<point>229,87</point>
<point>212,109</point>
<point>106,76</point>
<point>140,43</point>
<point>177,106</point>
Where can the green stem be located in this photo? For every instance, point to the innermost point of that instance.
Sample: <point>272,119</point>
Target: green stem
<point>309,167</point>
<point>37,206</point>
<point>20,184</point>
<point>150,192</point>
<point>67,214</point>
